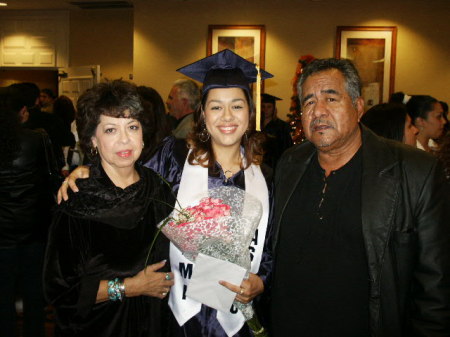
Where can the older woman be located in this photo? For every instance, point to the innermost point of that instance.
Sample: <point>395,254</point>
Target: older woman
<point>427,115</point>
<point>95,273</point>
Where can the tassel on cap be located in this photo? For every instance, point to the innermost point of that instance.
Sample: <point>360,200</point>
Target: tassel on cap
<point>258,99</point>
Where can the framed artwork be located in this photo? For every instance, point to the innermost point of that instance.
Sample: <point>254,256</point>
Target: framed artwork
<point>248,42</point>
<point>372,50</point>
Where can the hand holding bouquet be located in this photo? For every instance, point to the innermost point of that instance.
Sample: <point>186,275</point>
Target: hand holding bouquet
<point>220,225</point>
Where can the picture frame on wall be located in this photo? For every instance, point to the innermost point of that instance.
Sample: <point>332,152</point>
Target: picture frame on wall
<point>248,41</point>
<point>373,51</point>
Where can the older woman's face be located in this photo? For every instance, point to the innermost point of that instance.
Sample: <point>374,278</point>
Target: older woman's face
<point>119,142</point>
<point>226,116</point>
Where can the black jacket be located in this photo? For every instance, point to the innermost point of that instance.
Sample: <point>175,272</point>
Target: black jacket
<point>406,228</point>
<point>25,191</point>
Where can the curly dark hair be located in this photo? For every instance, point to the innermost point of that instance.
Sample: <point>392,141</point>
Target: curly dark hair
<point>202,152</point>
<point>11,102</point>
<point>119,99</point>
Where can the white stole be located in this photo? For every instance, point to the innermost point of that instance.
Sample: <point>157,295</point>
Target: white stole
<point>194,182</point>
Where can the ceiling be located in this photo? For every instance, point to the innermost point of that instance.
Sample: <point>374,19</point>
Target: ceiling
<point>63,4</point>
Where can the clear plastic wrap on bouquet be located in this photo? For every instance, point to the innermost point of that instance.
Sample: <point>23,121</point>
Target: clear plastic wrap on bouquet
<point>220,224</point>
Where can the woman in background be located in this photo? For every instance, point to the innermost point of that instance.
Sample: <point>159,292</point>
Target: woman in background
<point>391,120</point>
<point>427,115</point>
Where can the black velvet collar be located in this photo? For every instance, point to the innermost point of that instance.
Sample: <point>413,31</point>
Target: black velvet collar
<point>100,200</point>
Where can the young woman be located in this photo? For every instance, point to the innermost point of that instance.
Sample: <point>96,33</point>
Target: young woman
<point>223,150</point>
<point>427,115</point>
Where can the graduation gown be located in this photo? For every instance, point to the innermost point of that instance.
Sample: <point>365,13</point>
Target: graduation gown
<point>169,162</point>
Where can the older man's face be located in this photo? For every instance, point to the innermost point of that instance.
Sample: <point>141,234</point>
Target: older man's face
<point>329,117</point>
<point>175,103</point>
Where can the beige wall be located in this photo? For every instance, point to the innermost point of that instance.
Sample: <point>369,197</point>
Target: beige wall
<point>170,34</point>
<point>103,37</point>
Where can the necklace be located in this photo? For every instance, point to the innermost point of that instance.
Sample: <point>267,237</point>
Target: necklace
<point>228,174</point>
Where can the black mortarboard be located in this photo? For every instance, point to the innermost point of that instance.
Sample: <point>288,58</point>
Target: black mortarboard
<point>266,98</point>
<point>224,69</point>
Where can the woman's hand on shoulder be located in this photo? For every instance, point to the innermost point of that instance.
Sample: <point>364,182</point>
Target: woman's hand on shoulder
<point>248,290</point>
<point>81,172</point>
<point>149,282</point>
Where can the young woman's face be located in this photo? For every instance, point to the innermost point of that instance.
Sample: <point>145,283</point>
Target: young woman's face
<point>226,116</point>
<point>119,142</point>
<point>410,132</point>
<point>433,125</point>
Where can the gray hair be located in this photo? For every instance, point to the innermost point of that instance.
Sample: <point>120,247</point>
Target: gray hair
<point>345,66</point>
<point>190,90</point>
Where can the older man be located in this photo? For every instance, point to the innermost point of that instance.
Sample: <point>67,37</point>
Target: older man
<point>182,102</point>
<point>362,247</point>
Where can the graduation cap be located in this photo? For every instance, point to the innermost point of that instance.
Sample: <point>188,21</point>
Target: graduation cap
<point>225,69</point>
<point>266,98</point>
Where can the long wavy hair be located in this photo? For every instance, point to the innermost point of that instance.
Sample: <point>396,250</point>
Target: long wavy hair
<point>10,105</point>
<point>202,152</point>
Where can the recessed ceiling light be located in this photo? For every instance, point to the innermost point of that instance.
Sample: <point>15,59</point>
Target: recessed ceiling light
<point>3,4</point>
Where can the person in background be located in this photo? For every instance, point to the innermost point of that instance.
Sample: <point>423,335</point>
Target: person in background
<point>26,168</point>
<point>64,109</point>
<point>278,132</point>
<point>153,102</point>
<point>444,154</point>
<point>52,124</point>
<point>391,121</point>
<point>399,98</point>
<point>362,244</point>
<point>46,99</point>
<point>182,102</point>
<point>444,106</point>
<point>428,116</point>
<point>95,272</point>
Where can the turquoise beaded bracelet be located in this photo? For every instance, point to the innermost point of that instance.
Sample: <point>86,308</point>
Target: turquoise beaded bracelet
<point>116,289</point>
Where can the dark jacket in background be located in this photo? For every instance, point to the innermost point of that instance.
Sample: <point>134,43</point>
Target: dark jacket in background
<point>405,218</point>
<point>59,134</point>
<point>25,191</point>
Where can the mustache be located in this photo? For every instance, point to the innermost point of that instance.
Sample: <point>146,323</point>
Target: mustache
<point>320,121</point>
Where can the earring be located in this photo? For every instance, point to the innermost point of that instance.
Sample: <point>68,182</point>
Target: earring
<point>204,135</point>
<point>94,151</point>
<point>143,144</point>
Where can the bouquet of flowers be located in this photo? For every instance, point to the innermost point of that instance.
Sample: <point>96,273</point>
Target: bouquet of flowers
<point>221,225</point>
